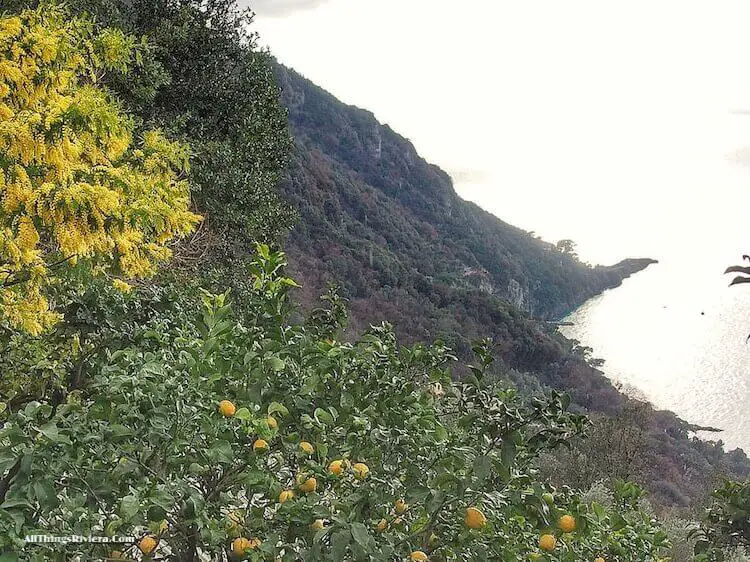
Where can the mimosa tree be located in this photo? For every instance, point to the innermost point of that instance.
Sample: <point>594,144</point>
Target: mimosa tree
<point>78,187</point>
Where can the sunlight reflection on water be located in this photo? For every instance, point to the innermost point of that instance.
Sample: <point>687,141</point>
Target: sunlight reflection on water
<point>679,339</point>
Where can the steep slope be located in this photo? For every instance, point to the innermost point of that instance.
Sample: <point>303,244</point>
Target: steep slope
<point>386,226</point>
<point>400,216</point>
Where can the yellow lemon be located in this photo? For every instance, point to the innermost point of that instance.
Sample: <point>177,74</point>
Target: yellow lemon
<point>254,543</point>
<point>309,485</point>
<point>336,467</point>
<point>226,408</point>
<point>401,506</point>
<point>148,544</point>
<point>381,526</point>
<point>599,559</point>
<point>285,495</point>
<point>260,446</point>
<point>474,518</point>
<point>567,523</point>
<point>418,556</point>
<point>317,525</point>
<point>272,423</point>
<point>361,470</point>
<point>239,545</point>
<point>547,542</point>
<point>306,447</point>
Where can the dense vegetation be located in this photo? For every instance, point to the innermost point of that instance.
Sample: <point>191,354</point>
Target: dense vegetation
<point>76,192</point>
<point>325,451</point>
<point>395,221</point>
<point>201,79</point>
<point>232,425</point>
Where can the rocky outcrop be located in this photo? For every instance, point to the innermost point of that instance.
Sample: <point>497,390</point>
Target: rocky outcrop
<point>516,295</point>
<point>624,269</point>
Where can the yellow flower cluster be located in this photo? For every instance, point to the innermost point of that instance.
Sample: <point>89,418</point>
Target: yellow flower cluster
<point>77,188</point>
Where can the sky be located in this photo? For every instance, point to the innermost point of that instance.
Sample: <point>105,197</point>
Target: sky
<point>622,125</point>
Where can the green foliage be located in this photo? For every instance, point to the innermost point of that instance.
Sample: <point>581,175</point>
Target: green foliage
<point>33,367</point>
<point>222,97</point>
<point>202,78</point>
<point>389,227</point>
<point>726,523</point>
<point>142,449</point>
<point>567,247</point>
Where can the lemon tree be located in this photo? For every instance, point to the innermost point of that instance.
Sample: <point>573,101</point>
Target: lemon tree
<point>262,439</point>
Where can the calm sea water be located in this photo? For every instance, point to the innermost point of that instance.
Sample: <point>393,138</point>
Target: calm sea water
<point>675,335</point>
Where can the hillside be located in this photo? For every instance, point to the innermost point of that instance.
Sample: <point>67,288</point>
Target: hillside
<point>388,216</point>
<point>388,227</point>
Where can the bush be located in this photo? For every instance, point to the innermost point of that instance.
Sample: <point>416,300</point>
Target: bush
<point>145,449</point>
<point>725,531</point>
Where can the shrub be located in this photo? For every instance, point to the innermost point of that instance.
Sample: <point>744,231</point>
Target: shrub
<point>144,451</point>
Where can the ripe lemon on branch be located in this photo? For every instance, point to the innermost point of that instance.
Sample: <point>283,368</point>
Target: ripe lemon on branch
<point>474,518</point>
<point>567,523</point>
<point>308,485</point>
<point>241,544</point>
<point>361,470</point>
<point>227,408</point>
<point>547,542</point>
<point>147,545</point>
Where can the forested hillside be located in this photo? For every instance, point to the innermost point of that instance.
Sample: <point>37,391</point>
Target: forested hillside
<point>393,220</point>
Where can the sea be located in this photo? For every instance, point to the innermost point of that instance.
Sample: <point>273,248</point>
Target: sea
<point>675,334</point>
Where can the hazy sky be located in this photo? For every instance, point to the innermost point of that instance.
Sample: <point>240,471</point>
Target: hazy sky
<point>621,125</point>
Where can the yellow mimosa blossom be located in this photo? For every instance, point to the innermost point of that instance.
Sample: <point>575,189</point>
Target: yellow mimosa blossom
<point>82,191</point>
